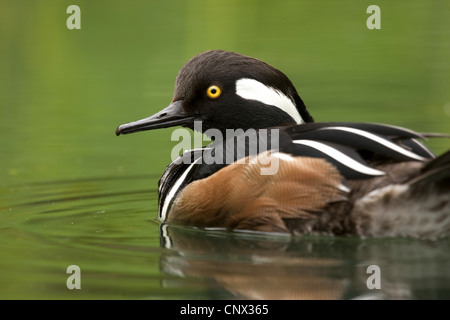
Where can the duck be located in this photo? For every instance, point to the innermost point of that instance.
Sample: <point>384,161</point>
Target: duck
<point>272,168</point>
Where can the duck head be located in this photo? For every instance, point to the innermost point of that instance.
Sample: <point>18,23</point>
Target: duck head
<point>227,90</point>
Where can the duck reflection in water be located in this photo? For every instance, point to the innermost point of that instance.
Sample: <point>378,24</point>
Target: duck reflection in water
<point>275,266</point>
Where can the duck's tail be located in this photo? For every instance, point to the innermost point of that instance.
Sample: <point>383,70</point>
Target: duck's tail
<point>419,208</point>
<point>434,178</point>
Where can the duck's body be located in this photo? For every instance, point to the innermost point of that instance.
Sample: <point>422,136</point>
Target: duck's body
<point>313,192</point>
<point>332,178</point>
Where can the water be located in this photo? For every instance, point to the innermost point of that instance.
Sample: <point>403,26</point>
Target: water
<point>72,193</point>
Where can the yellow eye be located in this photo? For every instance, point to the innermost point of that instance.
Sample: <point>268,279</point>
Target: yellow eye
<point>213,92</point>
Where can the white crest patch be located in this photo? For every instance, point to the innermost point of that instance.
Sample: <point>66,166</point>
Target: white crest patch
<point>252,89</point>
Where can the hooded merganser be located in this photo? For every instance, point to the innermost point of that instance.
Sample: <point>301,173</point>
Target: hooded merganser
<point>331,178</point>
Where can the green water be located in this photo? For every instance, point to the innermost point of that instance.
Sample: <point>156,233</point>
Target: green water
<point>72,193</point>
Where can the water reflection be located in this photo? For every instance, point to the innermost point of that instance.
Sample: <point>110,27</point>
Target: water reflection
<point>258,266</point>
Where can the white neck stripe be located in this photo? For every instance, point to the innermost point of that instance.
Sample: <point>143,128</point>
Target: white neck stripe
<point>173,191</point>
<point>252,89</point>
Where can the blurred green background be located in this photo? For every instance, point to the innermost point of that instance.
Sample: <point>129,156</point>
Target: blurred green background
<point>64,175</point>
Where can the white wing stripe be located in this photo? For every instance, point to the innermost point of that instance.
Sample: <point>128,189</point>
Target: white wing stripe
<point>341,157</point>
<point>379,140</point>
